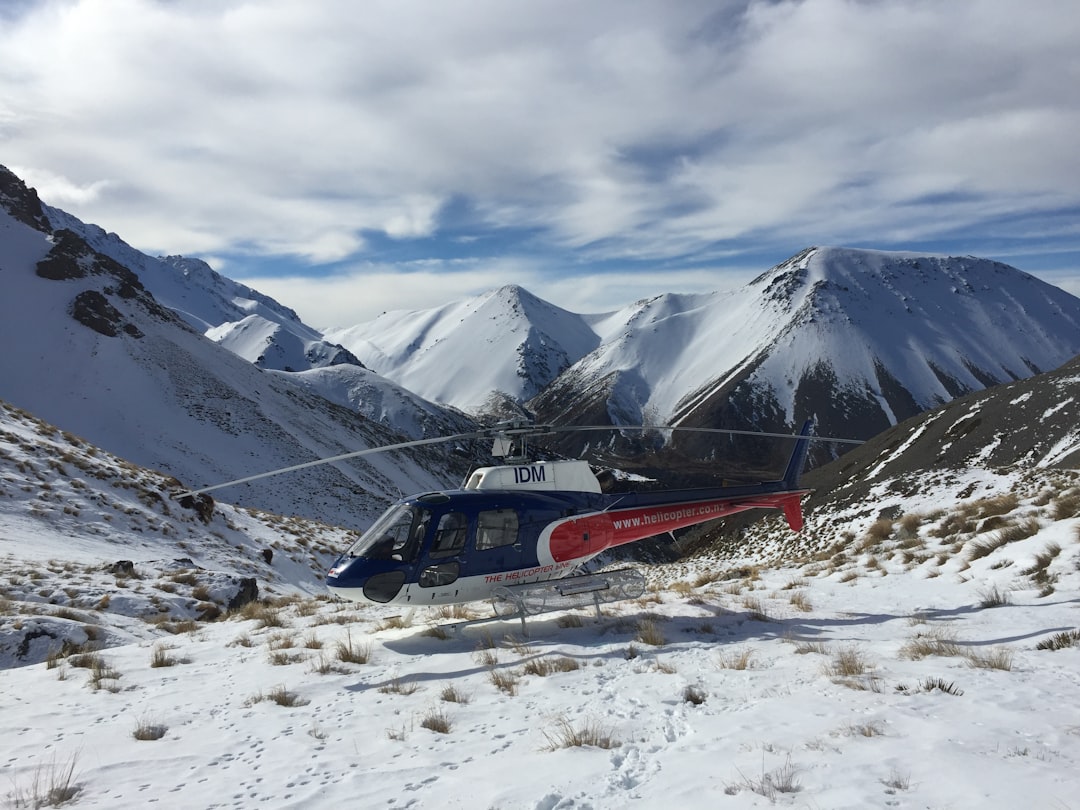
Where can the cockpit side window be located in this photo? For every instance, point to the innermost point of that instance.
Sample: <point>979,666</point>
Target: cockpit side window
<point>395,536</point>
<point>496,527</point>
<point>449,535</point>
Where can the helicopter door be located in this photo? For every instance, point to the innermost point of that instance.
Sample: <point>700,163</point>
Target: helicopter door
<point>441,565</point>
<point>497,546</point>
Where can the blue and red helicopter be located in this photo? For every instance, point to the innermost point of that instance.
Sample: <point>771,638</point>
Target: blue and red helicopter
<point>525,522</point>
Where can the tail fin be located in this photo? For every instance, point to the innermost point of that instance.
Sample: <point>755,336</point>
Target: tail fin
<point>798,456</point>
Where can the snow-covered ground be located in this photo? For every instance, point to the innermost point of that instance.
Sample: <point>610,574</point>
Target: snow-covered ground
<point>886,663</point>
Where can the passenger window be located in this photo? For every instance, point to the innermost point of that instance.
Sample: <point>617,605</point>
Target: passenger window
<point>498,527</point>
<point>450,535</point>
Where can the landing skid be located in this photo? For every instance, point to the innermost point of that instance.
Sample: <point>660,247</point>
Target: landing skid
<point>522,601</point>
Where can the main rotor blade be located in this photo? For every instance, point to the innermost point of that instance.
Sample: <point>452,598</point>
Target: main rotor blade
<point>541,429</point>
<point>355,454</point>
<point>506,429</point>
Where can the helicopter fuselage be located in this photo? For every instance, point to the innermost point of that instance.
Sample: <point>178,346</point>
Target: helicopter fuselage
<point>457,546</point>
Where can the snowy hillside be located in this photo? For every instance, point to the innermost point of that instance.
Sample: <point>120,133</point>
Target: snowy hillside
<point>93,352</point>
<point>928,659</point>
<point>507,342</point>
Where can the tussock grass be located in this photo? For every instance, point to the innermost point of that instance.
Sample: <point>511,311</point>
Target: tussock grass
<point>352,653</point>
<point>436,720</point>
<point>400,687</point>
<point>931,685</point>
<point>755,609</point>
<point>778,781</point>
<point>1066,506</point>
<point>993,597</point>
<point>649,632</point>
<point>147,729</point>
<point>869,729</point>
<point>1060,641</point>
<point>997,658</point>
<point>737,659</point>
<point>160,657</point>
<point>52,784</point>
<point>504,681</point>
<point>451,694</point>
<point>937,640</point>
<point>591,733</point>
<point>806,647</point>
<point>847,663</point>
<point>800,601</point>
<point>543,666</point>
<point>279,695</point>
<point>570,620</point>
<point>324,666</point>
<point>402,622</point>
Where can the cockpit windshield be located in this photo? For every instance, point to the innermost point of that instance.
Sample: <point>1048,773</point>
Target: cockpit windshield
<point>395,536</point>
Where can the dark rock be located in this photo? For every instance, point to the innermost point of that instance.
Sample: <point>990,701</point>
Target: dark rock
<point>247,591</point>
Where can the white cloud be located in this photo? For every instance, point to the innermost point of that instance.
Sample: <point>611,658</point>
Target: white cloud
<point>607,129</point>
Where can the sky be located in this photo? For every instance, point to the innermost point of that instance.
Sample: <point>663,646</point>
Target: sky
<point>349,159</point>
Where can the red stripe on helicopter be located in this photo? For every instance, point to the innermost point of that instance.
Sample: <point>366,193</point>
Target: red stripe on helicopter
<point>588,535</point>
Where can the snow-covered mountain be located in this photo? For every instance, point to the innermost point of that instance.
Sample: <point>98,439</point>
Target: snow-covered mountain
<point>92,350</point>
<point>474,353</point>
<point>248,323</point>
<point>862,339</point>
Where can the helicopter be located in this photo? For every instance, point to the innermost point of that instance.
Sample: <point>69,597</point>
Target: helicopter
<point>524,522</point>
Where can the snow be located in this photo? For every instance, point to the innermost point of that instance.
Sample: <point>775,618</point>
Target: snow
<point>783,676</point>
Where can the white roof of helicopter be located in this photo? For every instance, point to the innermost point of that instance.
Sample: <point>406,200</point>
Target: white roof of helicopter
<point>572,476</point>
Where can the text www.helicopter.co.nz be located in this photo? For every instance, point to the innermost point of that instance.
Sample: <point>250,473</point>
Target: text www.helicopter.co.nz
<point>652,518</point>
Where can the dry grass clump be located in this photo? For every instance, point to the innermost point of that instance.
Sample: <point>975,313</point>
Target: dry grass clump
<point>997,505</point>
<point>266,614</point>
<point>806,647</point>
<point>1066,506</point>
<point>1038,569</point>
<point>1060,641</point>
<point>402,622</point>
<point>324,666</point>
<point>52,784</point>
<point>147,729</point>
<point>800,601</point>
<point>931,685</point>
<point>880,530</point>
<point>504,680</point>
<point>160,657</point>
<point>649,632</point>
<point>451,694</point>
<point>400,687</point>
<point>993,597</point>
<point>871,728</point>
<point>755,609</point>
<point>352,653</point>
<point>565,735</point>
<point>570,620</point>
<point>737,659</point>
<point>847,663</point>
<point>279,695</point>
<point>997,658</point>
<point>770,785</point>
<point>436,720</point>
<point>938,640</point>
<point>543,666</point>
